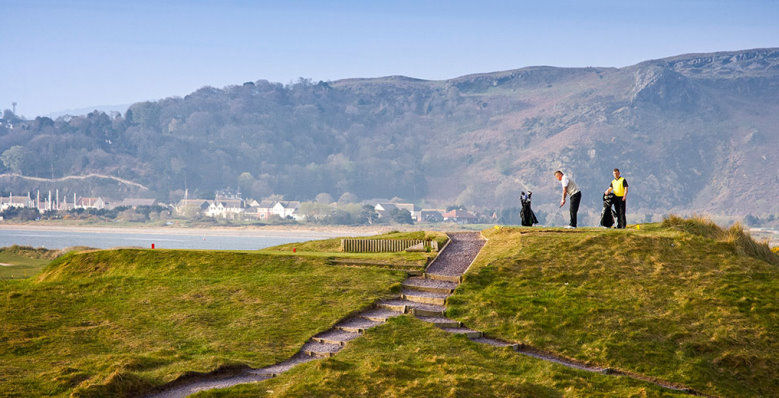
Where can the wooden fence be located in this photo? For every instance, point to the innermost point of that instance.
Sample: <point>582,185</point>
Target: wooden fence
<point>381,245</point>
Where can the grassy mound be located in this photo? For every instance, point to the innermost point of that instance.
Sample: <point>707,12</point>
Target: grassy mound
<point>409,358</point>
<point>18,262</point>
<point>118,322</point>
<point>683,301</point>
<point>736,236</point>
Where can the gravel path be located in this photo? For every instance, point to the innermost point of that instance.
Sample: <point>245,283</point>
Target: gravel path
<point>458,256</point>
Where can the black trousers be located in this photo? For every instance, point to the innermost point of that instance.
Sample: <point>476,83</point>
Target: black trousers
<point>574,207</point>
<point>620,206</point>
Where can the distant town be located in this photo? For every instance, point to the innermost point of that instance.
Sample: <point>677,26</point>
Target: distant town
<point>228,207</point>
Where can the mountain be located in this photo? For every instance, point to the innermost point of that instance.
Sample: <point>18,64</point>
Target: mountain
<point>691,133</point>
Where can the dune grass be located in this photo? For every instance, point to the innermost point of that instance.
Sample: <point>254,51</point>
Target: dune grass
<point>118,322</point>
<point>409,358</point>
<point>735,235</point>
<point>684,300</point>
<point>19,262</point>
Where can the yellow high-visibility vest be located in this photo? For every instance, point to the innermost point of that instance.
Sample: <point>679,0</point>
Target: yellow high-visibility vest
<point>618,186</point>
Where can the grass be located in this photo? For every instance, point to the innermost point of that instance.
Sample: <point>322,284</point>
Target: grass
<point>24,261</point>
<point>409,358</point>
<point>736,236</point>
<point>119,322</point>
<point>331,250</point>
<point>334,245</point>
<point>684,300</point>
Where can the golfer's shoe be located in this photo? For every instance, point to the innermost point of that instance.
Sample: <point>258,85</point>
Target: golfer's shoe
<point>569,227</point>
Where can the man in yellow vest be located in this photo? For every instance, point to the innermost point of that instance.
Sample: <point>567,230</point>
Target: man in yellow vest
<point>619,187</point>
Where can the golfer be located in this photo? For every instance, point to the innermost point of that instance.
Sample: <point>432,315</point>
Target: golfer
<point>619,187</point>
<point>571,190</point>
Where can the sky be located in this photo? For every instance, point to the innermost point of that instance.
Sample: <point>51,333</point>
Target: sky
<point>65,55</point>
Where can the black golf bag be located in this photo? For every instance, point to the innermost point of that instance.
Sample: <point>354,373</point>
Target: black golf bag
<point>527,215</point>
<point>608,214</point>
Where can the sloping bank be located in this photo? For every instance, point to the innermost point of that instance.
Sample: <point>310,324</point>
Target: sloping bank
<point>685,301</point>
<point>120,322</point>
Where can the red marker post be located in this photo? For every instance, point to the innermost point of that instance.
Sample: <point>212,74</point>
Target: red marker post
<point>294,249</point>
<point>152,245</point>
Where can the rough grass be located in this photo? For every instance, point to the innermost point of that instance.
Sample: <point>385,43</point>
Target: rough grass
<point>118,322</point>
<point>683,301</point>
<point>25,261</point>
<point>409,358</point>
<point>736,236</point>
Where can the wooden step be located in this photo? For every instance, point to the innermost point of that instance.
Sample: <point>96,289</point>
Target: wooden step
<point>356,325</point>
<point>448,278</point>
<point>424,297</point>
<point>413,307</point>
<point>335,336</point>
<point>317,349</point>
<point>440,321</point>
<point>430,285</point>
<point>471,334</point>
<point>379,314</point>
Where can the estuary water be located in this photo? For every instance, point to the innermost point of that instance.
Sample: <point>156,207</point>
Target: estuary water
<point>59,238</point>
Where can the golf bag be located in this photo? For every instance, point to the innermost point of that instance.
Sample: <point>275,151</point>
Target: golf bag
<point>527,215</point>
<point>608,215</point>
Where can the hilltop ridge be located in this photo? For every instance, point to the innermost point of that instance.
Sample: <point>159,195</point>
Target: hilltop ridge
<point>686,130</point>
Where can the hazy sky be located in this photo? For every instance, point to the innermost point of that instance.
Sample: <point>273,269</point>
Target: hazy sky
<point>60,55</point>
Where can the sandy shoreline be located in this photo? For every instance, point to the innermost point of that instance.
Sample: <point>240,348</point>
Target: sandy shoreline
<point>260,232</point>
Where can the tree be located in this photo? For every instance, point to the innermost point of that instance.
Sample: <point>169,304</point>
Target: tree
<point>13,158</point>
<point>324,198</point>
<point>368,215</point>
<point>401,216</point>
<point>348,197</point>
<point>245,182</point>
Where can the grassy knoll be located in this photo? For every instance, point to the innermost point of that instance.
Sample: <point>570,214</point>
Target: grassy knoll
<point>409,358</point>
<point>106,323</point>
<point>684,300</point>
<point>331,249</point>
<point>18,262</point>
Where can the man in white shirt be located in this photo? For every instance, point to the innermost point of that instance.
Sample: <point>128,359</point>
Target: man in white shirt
<point>570,190</point>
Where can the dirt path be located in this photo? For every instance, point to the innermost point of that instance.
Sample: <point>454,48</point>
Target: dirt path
<point>424,297</point>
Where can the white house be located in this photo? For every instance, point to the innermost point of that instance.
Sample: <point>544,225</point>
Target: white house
<point>261,210</point>
<point>16,201</point>
<point>286,209</point>
<point>384,209</point>
<point>226,208</point>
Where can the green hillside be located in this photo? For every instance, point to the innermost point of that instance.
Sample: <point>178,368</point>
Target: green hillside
<point>684,130</point>
<point>114,322</point>
<point>410,358</point>
<point>683,301</point>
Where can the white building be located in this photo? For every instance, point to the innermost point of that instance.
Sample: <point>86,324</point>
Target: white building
<point>16,201</point>
<point>225,208</point>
